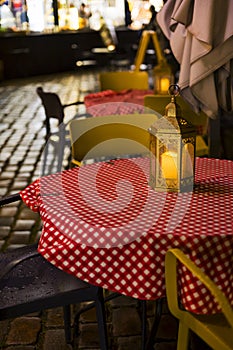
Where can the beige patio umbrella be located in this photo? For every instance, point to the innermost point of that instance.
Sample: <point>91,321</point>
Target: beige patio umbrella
<point>201,39</point>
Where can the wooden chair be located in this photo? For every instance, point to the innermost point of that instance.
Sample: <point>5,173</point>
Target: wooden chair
<point>54,109</point>
<point>29,283</point>
<point>216,330</point>
<point>158,103</point>
<point>110,136</point>
<point>124,80</point>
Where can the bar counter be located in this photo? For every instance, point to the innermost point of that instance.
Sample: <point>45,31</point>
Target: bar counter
<point>28,54</point>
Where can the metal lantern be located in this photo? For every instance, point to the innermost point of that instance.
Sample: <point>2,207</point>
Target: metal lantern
<point>163,78</point>
<point>172,149</point>
<point>162,73</point>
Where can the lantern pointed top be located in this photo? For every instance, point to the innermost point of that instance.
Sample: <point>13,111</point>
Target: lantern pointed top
<point>173,109</point>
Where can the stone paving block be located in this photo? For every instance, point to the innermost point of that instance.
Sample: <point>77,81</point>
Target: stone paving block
<point>4,231</point>
<point>7,155</point>
<point>126,321</point>
<point>129,343</point>
<point>21,154</point>
<point>24,225</point>
<point>27,168</point>
<point>15,246</point>
<point>22,148</point>
<point>14,161</point>
<point>6,182</point>
<point>20,237</point>
<point>55,340</point>
<point>4,325</point>
<point>26,175</point>
<point>6,221</point>
<point>19,185</point>
<point>168,327</point>
<point>8,211</point>
<point>88,316</point>
<point>24,330</point>
<point>37,145</point>
<point>31,161</point>
<point>8,174</point>
<point>150,308</point>
<point>17,158</point>
<point>3,191</point>
<point>23,347</point>
<point>54,317</point>
<point>28,214</point>
<point>89,337</point>
<point>123,301</point>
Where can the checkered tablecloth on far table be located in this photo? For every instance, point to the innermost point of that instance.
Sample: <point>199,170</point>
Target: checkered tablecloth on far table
<point>110,102</point>
<point>105,225</point>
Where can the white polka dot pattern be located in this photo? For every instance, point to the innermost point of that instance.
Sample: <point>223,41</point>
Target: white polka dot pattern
<point>110,102</point>
<point>105,225</point>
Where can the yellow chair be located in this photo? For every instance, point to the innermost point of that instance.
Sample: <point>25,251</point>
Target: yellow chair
<point>124,80</point>
<point>158,104</point>
<point>216,330</point>
<point>110,136</point>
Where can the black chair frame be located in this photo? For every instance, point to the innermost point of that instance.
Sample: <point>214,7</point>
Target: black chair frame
<point>29,283</point>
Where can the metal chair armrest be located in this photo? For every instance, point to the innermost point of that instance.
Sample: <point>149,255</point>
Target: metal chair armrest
<point>9,199</point>
<point>8,267</point>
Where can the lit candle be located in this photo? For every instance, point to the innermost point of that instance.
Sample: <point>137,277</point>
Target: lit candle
<point>164,84</point>
<point>169,165</point>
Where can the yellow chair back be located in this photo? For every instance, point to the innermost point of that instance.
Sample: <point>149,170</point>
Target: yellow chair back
<point>216,330</point>
<point>110,136</point>
<point>123,80</point>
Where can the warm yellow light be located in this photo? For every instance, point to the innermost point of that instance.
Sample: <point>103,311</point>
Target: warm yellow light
<point>164,85</point>
<point>169,165</point>
<point>111,47</point>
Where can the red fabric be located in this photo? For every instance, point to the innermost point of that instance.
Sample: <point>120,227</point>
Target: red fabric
<point>111,102</point>
<point>105,225</point>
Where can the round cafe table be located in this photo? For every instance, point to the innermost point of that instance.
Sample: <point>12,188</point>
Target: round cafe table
<point>110,102</point>
<point>104,224</point>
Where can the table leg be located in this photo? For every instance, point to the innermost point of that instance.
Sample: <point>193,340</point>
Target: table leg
<point>154,329</point>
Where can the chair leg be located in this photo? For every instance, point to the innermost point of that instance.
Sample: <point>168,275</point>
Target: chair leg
<point>61,148</point>
<point>183,337</point>
<point>67,323</point>
<point>46,151</point>
<point>101,319</point>
<point>154,329</point>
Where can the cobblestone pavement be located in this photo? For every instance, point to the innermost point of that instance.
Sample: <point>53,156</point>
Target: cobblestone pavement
<point>21,145</point>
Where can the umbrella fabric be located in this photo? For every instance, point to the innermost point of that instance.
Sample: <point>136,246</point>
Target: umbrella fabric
<point>201,39</point>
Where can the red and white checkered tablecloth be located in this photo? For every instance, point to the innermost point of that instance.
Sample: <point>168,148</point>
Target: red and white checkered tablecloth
<point>105,225</point>
<point>110,102</point>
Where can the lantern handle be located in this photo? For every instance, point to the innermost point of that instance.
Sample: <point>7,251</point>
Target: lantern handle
<point>174,90</point>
